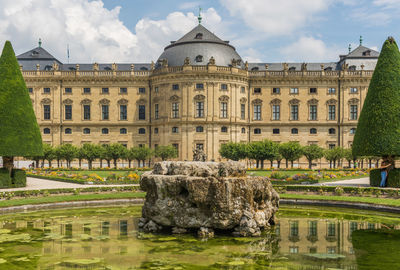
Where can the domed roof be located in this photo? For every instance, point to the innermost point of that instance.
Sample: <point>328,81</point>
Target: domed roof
<point>199,45</point>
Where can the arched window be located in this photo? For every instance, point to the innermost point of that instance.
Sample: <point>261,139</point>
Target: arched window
<point>332,131</point>
<point>295,131</point>
<point>86,131</point>
<point>122,131</point>
<point>199,58</point>
<point>313,131</point>
<point>199,36</point>
<point>68,131</point>
<point>142,131</point>
<point>257,131</point>
<point>353,131</point>
<point>199,129</point>
<point>46,131</point>
<point>224,129</point>
<point>104,131</point>
<point>243,130</point>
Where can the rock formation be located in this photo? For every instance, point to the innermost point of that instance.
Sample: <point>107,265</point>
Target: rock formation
<point>206,196</point>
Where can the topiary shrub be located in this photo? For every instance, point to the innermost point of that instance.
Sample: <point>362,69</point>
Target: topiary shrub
<point>5,179</point>
<point>392,181</point>
<point>17,179</point>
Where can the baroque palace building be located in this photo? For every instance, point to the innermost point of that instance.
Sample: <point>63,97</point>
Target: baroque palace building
<point>199,94</point>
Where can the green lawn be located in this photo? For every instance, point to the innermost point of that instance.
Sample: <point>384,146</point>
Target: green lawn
<point>71,198</point>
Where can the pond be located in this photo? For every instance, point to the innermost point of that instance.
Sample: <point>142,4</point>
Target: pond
<point>107,238</point>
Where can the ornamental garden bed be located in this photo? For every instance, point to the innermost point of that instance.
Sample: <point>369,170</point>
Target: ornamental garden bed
<point>88,177</point>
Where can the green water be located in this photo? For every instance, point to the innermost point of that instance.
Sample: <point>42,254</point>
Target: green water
<point>107,238</point>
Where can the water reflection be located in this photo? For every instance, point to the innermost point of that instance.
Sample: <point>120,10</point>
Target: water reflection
<point>295,242</point>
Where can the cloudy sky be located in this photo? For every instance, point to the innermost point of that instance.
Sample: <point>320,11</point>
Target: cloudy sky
<point>138,30</point>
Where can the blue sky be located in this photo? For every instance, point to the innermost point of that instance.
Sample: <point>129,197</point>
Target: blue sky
<point>138,30</point>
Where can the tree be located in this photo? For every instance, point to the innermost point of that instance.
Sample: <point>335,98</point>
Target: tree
<point>262,150</point>
<point>48,153</point>
<point>19,130</point>
<point>91,152</point>
<point>116,151</point>
<point>233,151</point>
<point>333,155</point>
<point>166,152</point>
<point>68,153</point>
<point>80,155</point>
<point>290,151</point>
<point>141,154</point>
<point>57,153</point>
<point>312,152</point>
<point>105,154</point>
<point>378,129</point>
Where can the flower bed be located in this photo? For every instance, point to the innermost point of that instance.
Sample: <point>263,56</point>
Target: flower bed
<point>129,177</point>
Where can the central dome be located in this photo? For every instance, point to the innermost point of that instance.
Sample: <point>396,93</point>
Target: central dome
<point>199,45</point>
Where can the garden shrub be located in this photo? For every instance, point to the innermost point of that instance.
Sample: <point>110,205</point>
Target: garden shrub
<point>5,179</point>
<point>17,179</point>
<point>393,179</point>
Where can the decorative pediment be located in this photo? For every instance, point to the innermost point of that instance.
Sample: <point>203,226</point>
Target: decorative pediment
<point>331,102</point>
<point>46,101</point>
<point>174,98</point>
<point>275,101</point>
<point>294,101</point>
<point>354,101</point>
<point>123,101</point>
<point>243,100</point>
<point>199,97</point>
<point>104,101</point>
<point>257,101</point>
<point>86,101</point>
<point>67,101</point>
<point>313,101</point>
<point>142,101</point>
<point>224,98</point>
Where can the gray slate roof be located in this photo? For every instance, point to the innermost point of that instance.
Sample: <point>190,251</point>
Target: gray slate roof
<point>207,36</point>
<point>363,52</point>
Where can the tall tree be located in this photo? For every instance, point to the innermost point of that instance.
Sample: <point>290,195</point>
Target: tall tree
<point>312,152</point>
<point>68,153</point>
<point>291,151</point>
<point>48,153</point>
<point>233,151</point>
<point>141,154</point>
<point>378,129</point>
<point>80,155</point>
<point>116,151</point>
<point>166,152</point>
<point>19,131</point>
<point>90,153</point>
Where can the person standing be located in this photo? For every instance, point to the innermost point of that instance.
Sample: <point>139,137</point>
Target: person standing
<point>385,165</point>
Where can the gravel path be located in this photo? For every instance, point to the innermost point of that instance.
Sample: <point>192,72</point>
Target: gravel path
<point>36,183</point>
<point>359,182</point>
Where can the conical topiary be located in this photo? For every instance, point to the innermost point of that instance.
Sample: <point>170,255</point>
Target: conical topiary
<point>19,130</point>
<point>378,129</point>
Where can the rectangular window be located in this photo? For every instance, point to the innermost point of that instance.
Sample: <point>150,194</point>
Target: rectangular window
<point>353,112</point>
<point>200,109</point>
<point>155,111</point>
<point>175,110</point>
<point>294,112</point>
<point>331,112</point>
<point>86,90</point>
<point>242,89</point>
<point>46,90</point>
<point>86,112</point>
<point>68,112</point>
<point>175,87</point>
<point>313,90</point>
<point>104,112</point>
<point>293,228</point>
<point>224,110</point>
<point>30,90</point>
<point>68,90</point>
<point>276,90</point>
<point>312,228</point>
<point>275,131</point>
<point>331,90</point>
<point>257,90</point>
<point>199,86</point>
<point>331,229</point>
<point>176,146</point>
<point>276,112</point>
<point>294,90</point>
<point>224,86</point>
<point>257,112</point>
<point>104,90</point>
<point>46,112</point>
<point>313,112</point>
<point>142,90</point>
<point>142,112</point>
<point>242,111</point>
<point>123,90</point>
<point>156,89</point>
<point>332,145</point>
<point>353,90</point>
<point>123,112</point>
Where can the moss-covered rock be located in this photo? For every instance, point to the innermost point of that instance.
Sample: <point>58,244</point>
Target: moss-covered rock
<point>378,129</point>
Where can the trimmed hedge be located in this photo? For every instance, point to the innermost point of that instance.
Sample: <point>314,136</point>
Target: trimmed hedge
<point>393,179</point>
<point>17,179</point>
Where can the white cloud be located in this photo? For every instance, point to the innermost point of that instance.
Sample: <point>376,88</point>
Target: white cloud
<point>276,17</point>
<point>251,55</point>
<point>309,49</point>
<point>190,5</point>
<point>372,18</point>
<point>93,32</point>
<point>387,4</point>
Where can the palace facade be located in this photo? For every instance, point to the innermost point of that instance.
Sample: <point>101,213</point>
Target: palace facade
<point>198,94</point>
